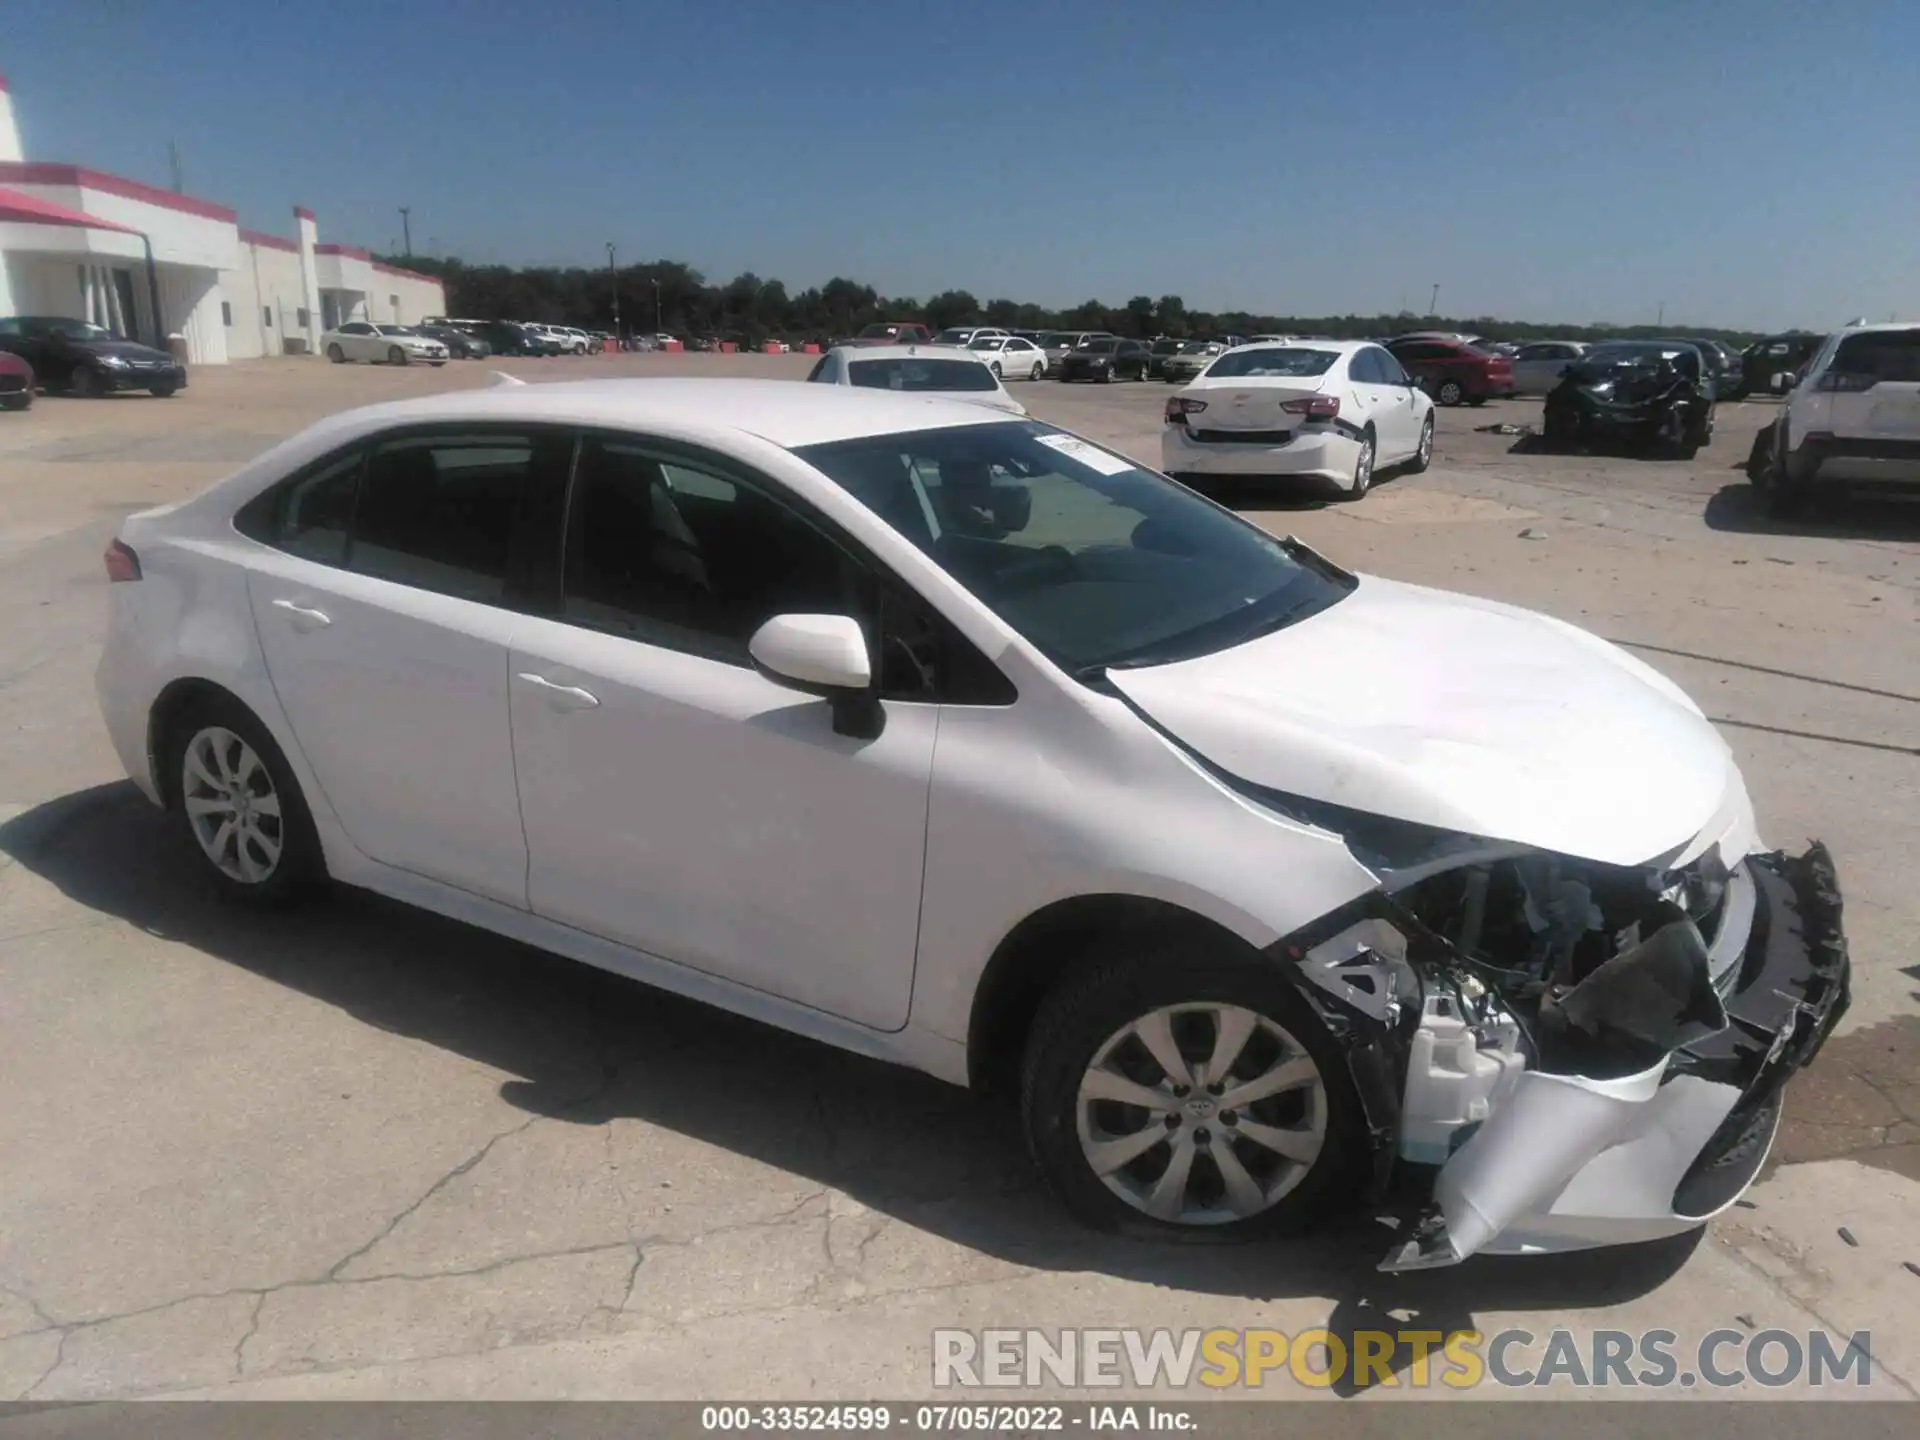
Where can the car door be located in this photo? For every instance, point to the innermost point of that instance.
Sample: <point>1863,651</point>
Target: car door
<point>677,800</point>
<point>1407,392</point>
<point>1873,382</point>
<point>1395,423</point>
<point>384,594</point>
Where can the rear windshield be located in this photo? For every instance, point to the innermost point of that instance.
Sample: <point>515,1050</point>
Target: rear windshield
<point>916,373</point>
<point>1883,354</point>
<point>1101,346</point>
<point>1285,361</point>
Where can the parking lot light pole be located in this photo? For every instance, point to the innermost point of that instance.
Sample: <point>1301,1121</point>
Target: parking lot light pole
<point>613,279</point>
<point>656,306</point>
<point>406,229</point>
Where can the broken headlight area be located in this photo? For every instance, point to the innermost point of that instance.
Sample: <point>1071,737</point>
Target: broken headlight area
<point>1582,1054</point>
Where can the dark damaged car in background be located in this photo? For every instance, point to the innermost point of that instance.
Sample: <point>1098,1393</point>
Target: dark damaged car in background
<point>1642,395</point>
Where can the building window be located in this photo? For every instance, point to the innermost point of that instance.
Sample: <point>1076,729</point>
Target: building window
<point>226,314</point>
<point>267,312</point>
<point>304,322</point>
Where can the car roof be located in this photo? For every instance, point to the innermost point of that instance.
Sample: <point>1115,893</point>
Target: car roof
<point>901,352</point>
<point>786,413</point>
<point>1883,328</point>
<point>1339,347</point>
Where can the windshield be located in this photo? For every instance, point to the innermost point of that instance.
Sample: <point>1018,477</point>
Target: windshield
<point>952,337</point>
<point>1196,347</point>
<point>1053,339</point>
<point>1281,361</point>
<point>987,342</point>
<point>1100,347</point>
<point>1165,347</point>
<point>1095,561</point>
<point>1604,356</point>
<point>75,330</point>
<point>919,373</point>
<point>396,330</point>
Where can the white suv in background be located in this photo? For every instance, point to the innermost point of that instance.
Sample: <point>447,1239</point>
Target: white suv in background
<point>1853,418</point>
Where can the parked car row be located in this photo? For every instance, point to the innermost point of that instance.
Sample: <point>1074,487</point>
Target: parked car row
<point>60,353</point>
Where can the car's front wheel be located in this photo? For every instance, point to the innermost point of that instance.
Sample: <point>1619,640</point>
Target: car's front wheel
<point>396,356</point>
<point>83,382</point>
<point>1170,1093</point>
<point>336,355</point>
<point>1423,455</point>
<point>240,805</point>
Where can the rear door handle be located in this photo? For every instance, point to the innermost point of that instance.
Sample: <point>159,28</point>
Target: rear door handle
<point>304,617</point>
<point>562,697</point>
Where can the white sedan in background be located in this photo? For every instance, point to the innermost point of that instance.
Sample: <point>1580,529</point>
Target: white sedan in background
<point>916,369</point>
<point>381,344</point>
<point>1009,356</point>
<point>1537,367</point>
<point>1331,410</point>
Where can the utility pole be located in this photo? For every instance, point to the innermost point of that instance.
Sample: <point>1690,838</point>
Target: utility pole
<point>613,279</point>
<point>406,229</point>
<point>1660,319</point>
<point>656,306</point>
<point>1433,302</point>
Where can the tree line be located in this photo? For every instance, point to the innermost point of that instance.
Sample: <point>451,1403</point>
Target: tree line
<point>666,295</point>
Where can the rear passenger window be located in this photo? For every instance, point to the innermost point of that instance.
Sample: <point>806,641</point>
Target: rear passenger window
<point>311,515</point>
<point>440,512</point>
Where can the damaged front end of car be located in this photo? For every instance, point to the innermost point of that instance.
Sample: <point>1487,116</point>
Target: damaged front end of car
<point>1643,399</point>
<point>1576,1054</point>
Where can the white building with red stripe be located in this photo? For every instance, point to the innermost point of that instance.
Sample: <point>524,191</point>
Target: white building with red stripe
<point>152,264</point>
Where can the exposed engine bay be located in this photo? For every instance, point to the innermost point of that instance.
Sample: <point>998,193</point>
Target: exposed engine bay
<point>1589,1054</point>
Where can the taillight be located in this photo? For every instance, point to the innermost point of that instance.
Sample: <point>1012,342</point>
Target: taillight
<point>122,563</point>
<point>1179,407</point>
<point>1840,382</point>
<point>1314,407</point>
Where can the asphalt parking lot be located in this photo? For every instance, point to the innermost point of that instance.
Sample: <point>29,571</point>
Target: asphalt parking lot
<point>372,1152</point>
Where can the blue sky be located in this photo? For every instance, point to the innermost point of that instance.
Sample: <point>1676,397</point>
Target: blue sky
<point>1745,163</point>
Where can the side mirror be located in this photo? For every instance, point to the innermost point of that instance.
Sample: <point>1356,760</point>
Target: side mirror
<point>823,655</point>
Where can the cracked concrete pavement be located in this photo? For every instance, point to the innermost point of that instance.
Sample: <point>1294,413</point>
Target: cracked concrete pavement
<point>373,1153</point>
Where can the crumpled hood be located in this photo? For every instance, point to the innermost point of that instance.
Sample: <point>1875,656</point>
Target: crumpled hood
<point>1455,712</point>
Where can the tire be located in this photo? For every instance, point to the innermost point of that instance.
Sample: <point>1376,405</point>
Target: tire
<point>1423,456</point>
<point>1477,399</point>
<point>1449,392</point>
<point>1362,480</point>
<point>436,363</point>
<point>83,382</point>
<point>164,391</point>
<point>204,762</point>
<point>1036,372</point>
<point>396,356</point>
<point>995,367</point>
<point>19,400</point>
<point>336,354</point>
<point>1783,496</point>
<point>1083,1028</point>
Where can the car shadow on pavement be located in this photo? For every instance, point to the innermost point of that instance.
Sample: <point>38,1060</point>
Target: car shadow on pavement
<point>1859,516</point>
<point>588,1048</point>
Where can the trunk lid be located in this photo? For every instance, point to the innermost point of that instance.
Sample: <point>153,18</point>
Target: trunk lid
<point>1250,403</point>
<point>1874,386</point>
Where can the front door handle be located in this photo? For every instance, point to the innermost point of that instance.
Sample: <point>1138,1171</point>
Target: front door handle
<point>304,617</point>
<point>562,697</point>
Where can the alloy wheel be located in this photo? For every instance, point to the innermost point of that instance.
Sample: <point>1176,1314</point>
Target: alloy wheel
<point>230,800</point>
<point>1363,467</point>
<point>1202,1113</point>
<point>1425,454</point>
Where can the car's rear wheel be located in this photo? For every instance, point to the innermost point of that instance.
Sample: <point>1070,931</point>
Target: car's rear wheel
<point>1423,456</point>
<point>396,356</point>
<point>1182,1094</point>
<point>1449,392</point>
<point>239,803</point>
<point>336,355</point>
<point>1036,372</point>
<point>83,382</point>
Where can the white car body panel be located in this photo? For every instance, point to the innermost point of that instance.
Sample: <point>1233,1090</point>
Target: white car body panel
<point>1454,712</point>
<point>701,827</point>
<point>1537,367</point>
<point>1887,414</point>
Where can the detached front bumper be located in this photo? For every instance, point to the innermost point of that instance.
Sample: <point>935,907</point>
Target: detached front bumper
<point>1570,1164</point>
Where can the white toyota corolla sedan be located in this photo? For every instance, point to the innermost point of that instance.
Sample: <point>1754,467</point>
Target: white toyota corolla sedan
<point>1334,410</point>
<point>955,739</point>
